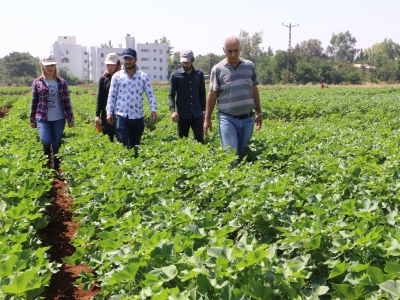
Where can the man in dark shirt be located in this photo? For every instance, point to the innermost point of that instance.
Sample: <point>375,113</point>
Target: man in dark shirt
<point>189,109</point>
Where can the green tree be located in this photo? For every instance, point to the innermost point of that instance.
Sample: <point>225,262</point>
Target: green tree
<point>69,78</point>
<point>265,70</point>
<point>20,68</point>
<point>391,49</point>
<point>105,45</point>
<point>251,45</point>
<point>164,40</point>
<point>270,52</point>
<point>207,62</point>
<point>309,49</point>
<point>342,47</point>
<point>174,63</point>
<point>19,64</point>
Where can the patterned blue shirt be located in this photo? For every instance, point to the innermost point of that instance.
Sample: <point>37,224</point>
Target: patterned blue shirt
<point>125,97</point>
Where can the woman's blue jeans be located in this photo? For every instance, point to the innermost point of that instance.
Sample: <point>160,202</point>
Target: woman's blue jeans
<point>235,133</point>
<point>50,133</point>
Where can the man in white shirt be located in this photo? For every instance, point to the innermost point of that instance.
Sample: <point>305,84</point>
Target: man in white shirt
<point>125,101</point>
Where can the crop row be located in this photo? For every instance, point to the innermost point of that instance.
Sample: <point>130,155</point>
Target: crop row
<point>312,213</point>
<point>24,267</point>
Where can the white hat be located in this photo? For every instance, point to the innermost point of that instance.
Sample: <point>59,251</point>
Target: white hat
<point>49,60</point>
<point>111,58</point>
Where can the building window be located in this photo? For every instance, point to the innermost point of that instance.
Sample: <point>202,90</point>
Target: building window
<point>160,59</point>
<point>101,54</point>
<point>101,73</point>
<point>155,59</point>
<point>145,59</point>
<point>155,68</point>
<point>145,50</point>
<point>65,60</point>
<point>160,51</point>
<point>154,50</point>
<point>155,76</point>
<point>160,77</point>
<point>160,68</point>
<point>85,53</point>
<point>85,61</point>
<point>84,69</point>
<point>145,68</point>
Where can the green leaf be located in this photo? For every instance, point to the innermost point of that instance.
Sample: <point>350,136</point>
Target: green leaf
<point>203,284</point>
<point>165,273</point>
<point>313,243</point>
<point>22,283</point>
<point>252,258</point>
<point>392,287</point>
<point>376,275</point>
<point>128,273</point>
<point>392,267</point>
<point>257,290</point>
<point>339,269</point>
<point>163,250</point>
<point>349,291</point>
<point>76,258</point>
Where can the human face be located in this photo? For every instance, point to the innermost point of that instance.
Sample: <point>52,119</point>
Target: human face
<point>49,71</point>
<point>111,68</point>
<point>187,65</point>
<point>232,53</point>
<point>129,62</point>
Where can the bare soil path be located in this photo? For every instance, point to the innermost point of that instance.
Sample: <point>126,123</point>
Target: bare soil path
<point>58,234</point>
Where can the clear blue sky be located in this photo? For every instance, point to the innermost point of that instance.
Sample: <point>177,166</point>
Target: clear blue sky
<point>33,26</point>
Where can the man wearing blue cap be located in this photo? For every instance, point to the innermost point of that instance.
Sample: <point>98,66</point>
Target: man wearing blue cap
<point>125,101</point>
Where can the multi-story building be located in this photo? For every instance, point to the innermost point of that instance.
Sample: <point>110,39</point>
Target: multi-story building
<point>87,62</point>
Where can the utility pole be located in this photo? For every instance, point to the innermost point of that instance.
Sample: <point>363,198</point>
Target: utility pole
<point>290,26</point>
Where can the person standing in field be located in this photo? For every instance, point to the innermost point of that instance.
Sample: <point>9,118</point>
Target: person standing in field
<point>113,64</point>
<point>189,109</point>
<point>125,101</point>
<point>50,108</point>
<point>233,85</point>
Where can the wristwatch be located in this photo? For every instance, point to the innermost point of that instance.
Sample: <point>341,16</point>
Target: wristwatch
<point>259,114</point>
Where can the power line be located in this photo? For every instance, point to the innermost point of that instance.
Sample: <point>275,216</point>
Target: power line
<point>290,26</point>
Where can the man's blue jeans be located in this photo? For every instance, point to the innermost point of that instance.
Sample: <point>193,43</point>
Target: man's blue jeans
<point>129,131</point>
<point>50,133</point>
<point>235,133</point>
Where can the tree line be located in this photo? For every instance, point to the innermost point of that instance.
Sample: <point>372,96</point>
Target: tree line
<point>340,63</point>
<point>21,68</point>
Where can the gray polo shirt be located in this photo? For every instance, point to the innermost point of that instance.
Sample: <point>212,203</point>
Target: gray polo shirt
<point>234,86</point>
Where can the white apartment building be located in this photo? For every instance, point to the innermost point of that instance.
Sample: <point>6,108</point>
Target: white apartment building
<point>87,62</point>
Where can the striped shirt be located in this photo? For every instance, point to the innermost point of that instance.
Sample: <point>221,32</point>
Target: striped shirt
<point>40,100</point>
<point>234,86</point>
<point>125,97</point>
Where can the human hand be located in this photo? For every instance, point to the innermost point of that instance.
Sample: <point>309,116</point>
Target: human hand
<point>110,119</point>
<point>258,122</point>
<point>207,124</point>
<point>153,116</point>
<point>71,124</point>
<point>33,124</point>
<point>97,120</point>
<point>175,117</point>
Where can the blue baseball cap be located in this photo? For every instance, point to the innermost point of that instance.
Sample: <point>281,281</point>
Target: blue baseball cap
<point>129,52</point>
